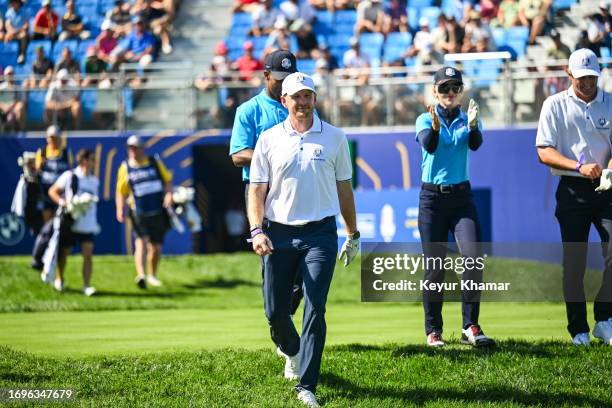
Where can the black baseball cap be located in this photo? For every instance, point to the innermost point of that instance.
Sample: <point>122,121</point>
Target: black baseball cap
<point>447,74</point>
<point>280,63</point>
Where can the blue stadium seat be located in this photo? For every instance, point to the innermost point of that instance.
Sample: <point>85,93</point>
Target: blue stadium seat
<point>372,51</point>
<point>413,17</point>
<point>512,51</point>
<point>293,44</point>
<point>23,70</point>
<point>307,66</point>
<point>347,29</point>
<point>324,23</point>
<point>339,40</point>
<point>345,17</point>
<point>235,43</point>
<point>239,31</point>
<point>519,46</point>
<point>518,33</point>
<point>83,46</point>
<point>242,19</point>
<point>8,53</point>
<point>36,106</point>
<point>338,53</point>
<point>56,54</point>
<point>562,4</point>
<point>605,54</point>
<point>89,98</point>
<point>371,40</point>
<point>105,5</point>
<point>432,14</point>
<point>399,39</point>
<point>419,4</point>
<point>31,51</point>
<point>500,36</point>
<point>86,10</point>
<point>259,43</point>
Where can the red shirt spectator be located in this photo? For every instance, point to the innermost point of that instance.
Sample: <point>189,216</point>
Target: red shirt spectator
<point>106,41</point>
<point>45,22</point>
<point>248,64</point>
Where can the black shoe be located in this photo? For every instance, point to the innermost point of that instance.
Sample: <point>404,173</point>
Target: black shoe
<point>141,283</point>
<point>474,336</point>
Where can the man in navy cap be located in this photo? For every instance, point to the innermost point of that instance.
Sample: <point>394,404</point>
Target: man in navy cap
<point>258,114</point>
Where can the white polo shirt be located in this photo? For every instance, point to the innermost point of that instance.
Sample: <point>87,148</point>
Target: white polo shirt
<point>301,170</point>
<point>88,222</point>
<point>577,129</point>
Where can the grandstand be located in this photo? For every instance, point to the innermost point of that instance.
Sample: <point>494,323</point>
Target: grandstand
<point>162,95</point>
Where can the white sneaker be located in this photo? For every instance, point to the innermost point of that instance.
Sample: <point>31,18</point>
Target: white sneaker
<point>153,281</point>
<point>292,365</point>
<point>89,290</point>
<point>581,339</point>
<point>603,331</point>
<point>307,398</point>
<point>434,339</point>
<point>167,49</point>
<point>58,285</point>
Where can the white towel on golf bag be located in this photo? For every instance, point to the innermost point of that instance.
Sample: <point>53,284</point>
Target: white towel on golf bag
<point>49,259</point>
<point>19,198</point>
<point>193,217</point>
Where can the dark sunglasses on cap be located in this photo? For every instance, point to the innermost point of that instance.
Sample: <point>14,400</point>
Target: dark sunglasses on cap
<point>450,86</point>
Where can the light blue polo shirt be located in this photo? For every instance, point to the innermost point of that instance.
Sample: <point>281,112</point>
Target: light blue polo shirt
<point>449,163</point>
<point>259,113</point>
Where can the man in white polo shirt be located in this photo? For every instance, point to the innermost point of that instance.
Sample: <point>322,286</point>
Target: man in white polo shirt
<point>305,163</point>
<point>574,139</point>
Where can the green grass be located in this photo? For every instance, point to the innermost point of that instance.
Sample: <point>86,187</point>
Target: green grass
<point>202,340</point>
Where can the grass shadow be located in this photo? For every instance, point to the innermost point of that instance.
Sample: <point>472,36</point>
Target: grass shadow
<point>220,283</point>
<point>493,393</point>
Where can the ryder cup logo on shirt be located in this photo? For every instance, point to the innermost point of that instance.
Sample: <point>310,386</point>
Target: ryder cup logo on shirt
<point>603,123</point>
<point>316,154</point>
<point>286,63</point>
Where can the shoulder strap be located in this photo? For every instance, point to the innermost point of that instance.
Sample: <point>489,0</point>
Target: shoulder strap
<point>74,183</point>
<point>155,161</point>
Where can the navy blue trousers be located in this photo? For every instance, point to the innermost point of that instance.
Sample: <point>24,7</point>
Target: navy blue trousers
<point>311,251</point>
<point>579,206</point>
<point>440,213</point>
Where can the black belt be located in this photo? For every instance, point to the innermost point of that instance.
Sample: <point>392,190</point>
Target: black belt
<point>447,188</point>
<point>580,180</point>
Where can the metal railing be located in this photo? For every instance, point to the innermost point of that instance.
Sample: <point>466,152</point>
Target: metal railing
<point>176,97</point>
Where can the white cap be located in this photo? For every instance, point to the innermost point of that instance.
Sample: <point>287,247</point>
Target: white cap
<point>135,141</point>
<point>583,62</point>
<point>63,74</point>
<point>423,21</point>
<point>297,82</point>
<point>53,130</point>
<point>106,25</point>
<point>604,4</point>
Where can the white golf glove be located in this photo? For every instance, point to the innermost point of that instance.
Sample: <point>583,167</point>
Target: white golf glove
<point>605,181</point>
<point>349,251</point>
<point>473,114</point>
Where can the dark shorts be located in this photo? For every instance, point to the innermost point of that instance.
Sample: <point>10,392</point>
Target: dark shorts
<point>71,238</point>
<point>152,226</point>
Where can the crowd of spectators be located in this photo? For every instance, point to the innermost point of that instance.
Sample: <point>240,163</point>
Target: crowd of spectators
<point>86,46</point>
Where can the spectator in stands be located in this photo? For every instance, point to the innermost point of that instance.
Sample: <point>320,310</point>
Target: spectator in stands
<point>264,18</point>
<point>298,9</point>
<point>279,38</point>
<point>395,17</point>
<point>354,58</point>
<point>422,46</point>
<point>370,17</point>
<point>489,9</point>
<point>158,20</point>
<point>449,35</point>
<point>508,14</point>
<point>138,46</point>
<point>12,110</point>
<point>62,100</point>
<point>557,50</point>
<point>72,25</point>
<point>584,42</point>
<point>248,64</point>
<point>69,64</point>
<point>321,80</point>
<point>478,35</point>
<point>533,14</point>
<point>2,31</point>
<point>120,18</point>
<point>245,6</point>
<point>306,39</point>
<point>324,53</point>
<point>604,10</point>
<point>95,67</point>
<point>17,25</point>
<point>45,23</point>
<point>42,70</point>
<point>106,42</point>
<point>596,32</point>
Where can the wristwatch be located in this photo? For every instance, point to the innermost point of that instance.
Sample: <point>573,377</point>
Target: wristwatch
<point>354,235</point>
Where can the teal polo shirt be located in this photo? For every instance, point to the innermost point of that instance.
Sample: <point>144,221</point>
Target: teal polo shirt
<point>259,113</point>
<point>449,163</point>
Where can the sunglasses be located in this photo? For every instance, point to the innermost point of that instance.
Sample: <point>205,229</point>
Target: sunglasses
<point>446,88</point>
